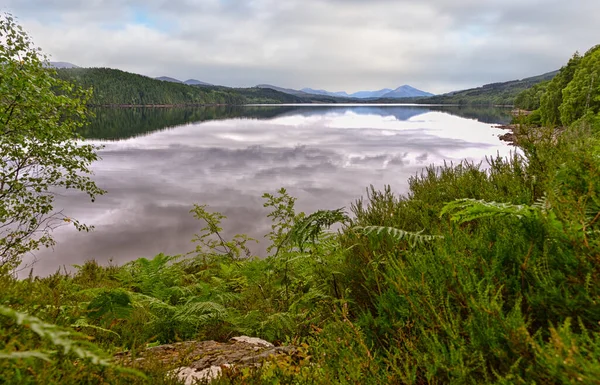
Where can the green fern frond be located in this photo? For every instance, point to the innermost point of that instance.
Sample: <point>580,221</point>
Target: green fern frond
<point>413,238</point>
<point>82,323</point>
<point>153,304</point>
<point>25,355</point>
<point>56,335</point>
<point>197,312</point>
<point>112,304</point>
<point>465,210</point>
<point>309,228</point>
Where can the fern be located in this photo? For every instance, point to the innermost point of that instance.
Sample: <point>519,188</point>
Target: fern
<point>413,238</point>
<point>309,228</point>
<point>56,335</point>
<point>197,312</point>
<point>466,210</point>
<point>25,355</point>
<point>82,323</point>
<point>110,305</point>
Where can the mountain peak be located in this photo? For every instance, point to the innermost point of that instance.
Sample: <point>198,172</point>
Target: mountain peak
<point>195,82</point>
<point>62,64</point>
<point>406,91</point>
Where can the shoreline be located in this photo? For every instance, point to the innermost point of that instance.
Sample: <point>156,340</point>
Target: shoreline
<point>124,105</point>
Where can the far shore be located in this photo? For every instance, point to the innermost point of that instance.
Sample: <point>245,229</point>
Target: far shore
<point>288,104</point>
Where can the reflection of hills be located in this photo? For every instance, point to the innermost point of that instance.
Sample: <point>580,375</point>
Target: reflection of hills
<point>490,115</point>
<point>123,123</point>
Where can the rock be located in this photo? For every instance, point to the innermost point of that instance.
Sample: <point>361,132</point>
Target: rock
<point>190,375</point>
<point>193,360</point>
<point>253,341</point>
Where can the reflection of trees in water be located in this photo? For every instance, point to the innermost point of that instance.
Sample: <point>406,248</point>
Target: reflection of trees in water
<point>123,123</point>
<point>490,115</point>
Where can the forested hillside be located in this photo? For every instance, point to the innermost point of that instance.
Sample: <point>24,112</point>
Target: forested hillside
<point>116,87</point>
<point>573,94</point>
<point>502,94</point>
<point>113,87</point>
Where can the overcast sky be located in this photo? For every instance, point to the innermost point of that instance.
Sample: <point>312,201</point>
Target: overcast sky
<point>350,45</point>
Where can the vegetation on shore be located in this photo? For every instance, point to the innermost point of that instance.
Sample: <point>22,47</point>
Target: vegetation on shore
<point>478,274</point>
<point>571,96</point>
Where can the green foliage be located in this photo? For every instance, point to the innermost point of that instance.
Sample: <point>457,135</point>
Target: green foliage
<point>110,306</point>
<point>531,98</point>
<point>413,238</point>
<point>114,87</point>
<point>211,242</point>
<point>283,216</point>
<point>309,229</point>
<point>57,336</point>
<point>582,94</point>
<point>39,154</point>
<point>466,210</point>
<point>551,100</point>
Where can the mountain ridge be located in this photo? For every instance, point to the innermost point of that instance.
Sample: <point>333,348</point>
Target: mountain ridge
<point>404,91</point>
<point>196,82</point>
<point>168,79</point>
<point>62,64</point>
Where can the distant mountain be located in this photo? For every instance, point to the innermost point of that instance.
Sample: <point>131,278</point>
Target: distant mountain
<point>406,91</point>
<point>168,79</point>
<point>194,82</point>
<point>371,94</point>
<point>341,94</point>
<point>62,64</point>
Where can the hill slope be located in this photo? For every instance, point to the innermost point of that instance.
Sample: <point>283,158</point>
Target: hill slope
<point>503,93</point>
<point>116,87</point>
<point>168,79</point>
<point>194,82</point>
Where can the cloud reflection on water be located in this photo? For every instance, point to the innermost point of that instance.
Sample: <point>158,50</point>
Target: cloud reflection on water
<point>324,157</point>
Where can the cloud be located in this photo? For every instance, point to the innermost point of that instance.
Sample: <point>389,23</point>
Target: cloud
<point>436,45</point>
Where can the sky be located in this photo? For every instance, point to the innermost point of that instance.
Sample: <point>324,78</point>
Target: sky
<point>339,45</point>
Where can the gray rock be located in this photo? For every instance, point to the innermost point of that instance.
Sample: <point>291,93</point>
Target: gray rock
<point>194,360</point>
<point>253,341</point>
<point>190,375</point>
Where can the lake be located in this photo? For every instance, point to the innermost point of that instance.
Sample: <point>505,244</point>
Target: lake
<point>156,163</point>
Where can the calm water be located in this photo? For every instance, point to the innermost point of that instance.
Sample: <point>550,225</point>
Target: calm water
<point>157,162</point>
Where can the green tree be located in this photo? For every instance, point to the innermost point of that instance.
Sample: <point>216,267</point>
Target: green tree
<point>553,98</point>
<point>582,94</point>
<point>39,151</point>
